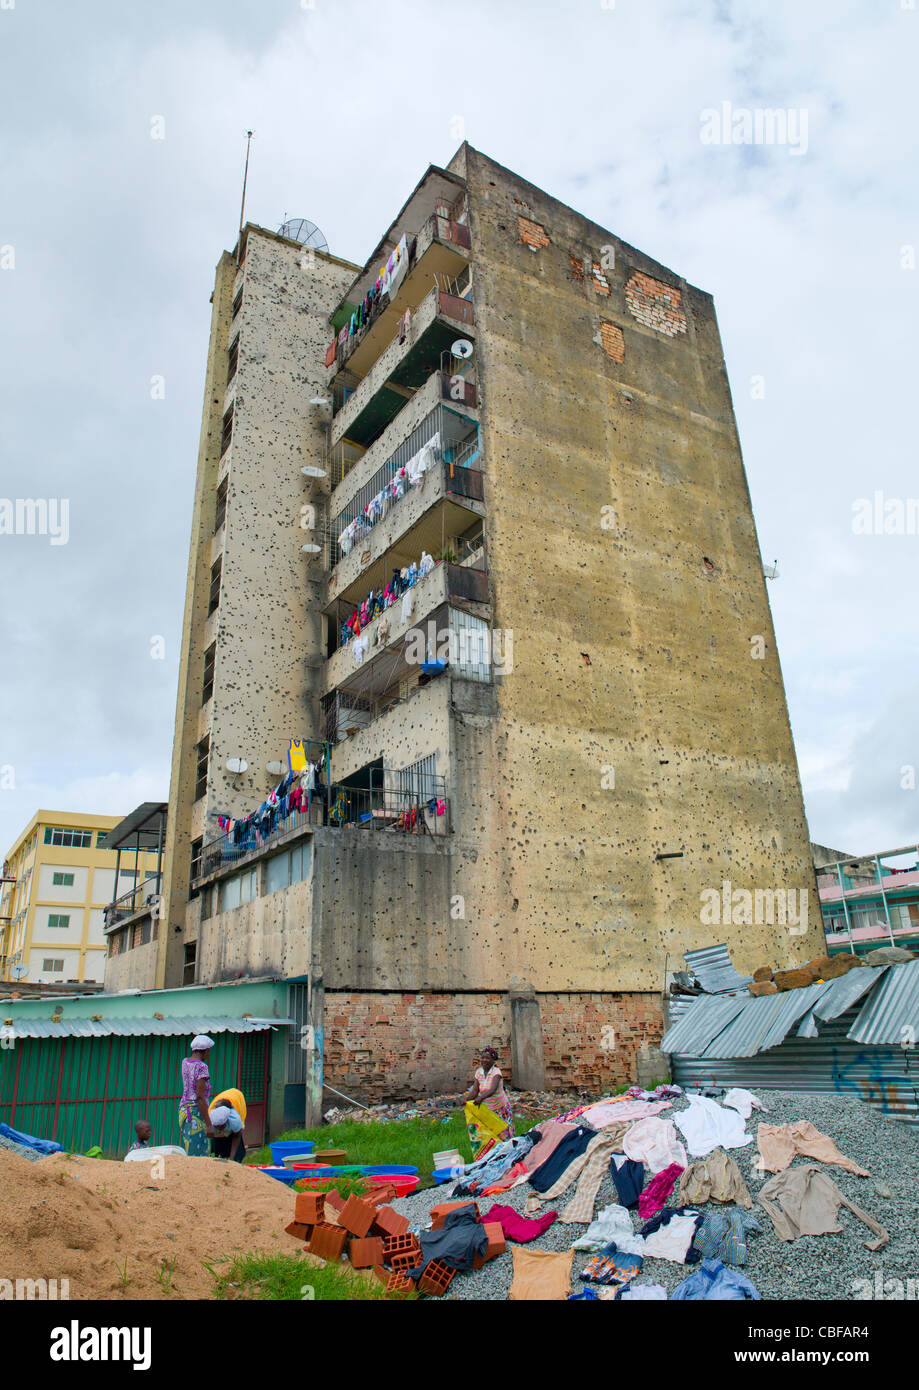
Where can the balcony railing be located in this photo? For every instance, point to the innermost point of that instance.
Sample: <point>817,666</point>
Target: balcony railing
<point>145,894</point>
<point>441,228</point>
<point>435,303</point>
<point>459,446</point>
<point>400,803</point>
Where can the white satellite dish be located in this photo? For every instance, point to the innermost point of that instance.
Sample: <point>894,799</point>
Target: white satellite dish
<point>462,348</point>
<point>237,765</point>
<point>311,472</point>
<point>274,768</point>
<point>19,971</point>
<point>319,400</point>
<point>310,549</point>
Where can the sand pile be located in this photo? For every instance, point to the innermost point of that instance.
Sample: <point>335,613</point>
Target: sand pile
<point>76,1218</point>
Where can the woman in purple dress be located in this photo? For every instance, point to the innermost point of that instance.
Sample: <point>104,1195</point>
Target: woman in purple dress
<point>194,1119</point>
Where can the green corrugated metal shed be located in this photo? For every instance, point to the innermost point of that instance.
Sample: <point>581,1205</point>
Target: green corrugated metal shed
<point>84,1090</point>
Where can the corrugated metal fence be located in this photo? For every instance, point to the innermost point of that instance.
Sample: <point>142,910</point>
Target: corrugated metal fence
<point>883,1077</point>
<point>86,1091</point>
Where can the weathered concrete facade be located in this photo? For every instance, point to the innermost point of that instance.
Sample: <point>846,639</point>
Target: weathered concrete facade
<point>634,755</point>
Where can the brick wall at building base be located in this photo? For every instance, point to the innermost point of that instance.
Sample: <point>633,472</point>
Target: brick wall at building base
<point>392,1045</point>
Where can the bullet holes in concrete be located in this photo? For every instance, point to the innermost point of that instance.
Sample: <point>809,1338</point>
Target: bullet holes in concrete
<point>709,569</point>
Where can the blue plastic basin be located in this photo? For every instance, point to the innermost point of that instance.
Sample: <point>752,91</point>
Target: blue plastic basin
<point>288,1175</point>
<point>283,1148</point>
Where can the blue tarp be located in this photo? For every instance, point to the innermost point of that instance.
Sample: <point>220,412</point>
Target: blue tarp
<point>29,1141</point>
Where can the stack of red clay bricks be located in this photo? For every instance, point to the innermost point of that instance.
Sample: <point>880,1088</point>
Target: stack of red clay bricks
<point>376,1237</point>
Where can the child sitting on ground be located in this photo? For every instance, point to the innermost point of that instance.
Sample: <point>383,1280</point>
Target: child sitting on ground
<point>142,1130</point>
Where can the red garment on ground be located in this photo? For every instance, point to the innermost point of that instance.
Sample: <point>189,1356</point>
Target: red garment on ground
<point>510,1179</point>
<point>658,1190</point>
<point>517,1227</point>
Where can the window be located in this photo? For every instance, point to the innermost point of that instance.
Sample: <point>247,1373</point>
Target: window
<point>59,921</point>
<point>207,689</point>
<point>238,890</point>
<point>226,433</point>
<point>53,965</point>
<point>75,839</point>
<point>233,360</point>
<point>62,880</point>
<point>196,848</point>
<point>188,970</point>
<point>291,866</point>
<point>101,836</point>
<point>216,570</point>
<point>220,515</point>
<point>202,751</point>
<point>238,301</point>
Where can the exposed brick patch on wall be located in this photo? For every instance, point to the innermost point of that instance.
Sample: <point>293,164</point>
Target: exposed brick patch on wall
<point>532,233</point>
<point>599,280</point>
<point>401,1045</point>
<point>577,269</point>
<point>655,304</point>
<point>578,1028</point>
<point>397,1045</point>
<point>613,341</point>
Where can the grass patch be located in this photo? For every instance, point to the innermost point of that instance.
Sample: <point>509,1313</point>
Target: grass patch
<point>282,1278</point>
<point>392,1141</point>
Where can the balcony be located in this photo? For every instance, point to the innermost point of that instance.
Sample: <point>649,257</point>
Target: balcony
<point>448,629</point>
<point>404,367</point>
<point>441,255</point>
<point>441,504</point>
<point>391,802</point>
<point>140,901</point>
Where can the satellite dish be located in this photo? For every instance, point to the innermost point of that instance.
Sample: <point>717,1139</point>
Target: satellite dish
<point>462,348</point>
<point>307,233</point>
<point>310,472</point>
<point>319,400</point>
<point>274,768</point>
<point>310,549</point>
<point>237,765</point>
<point>19,971</point>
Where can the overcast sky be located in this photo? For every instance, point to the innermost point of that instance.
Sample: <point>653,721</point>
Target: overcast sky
<point>109,238</point>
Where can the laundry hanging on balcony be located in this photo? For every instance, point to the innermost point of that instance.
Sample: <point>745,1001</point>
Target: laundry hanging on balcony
<point>378,600</point>
<point>387,283</point>
<point>410,475</point>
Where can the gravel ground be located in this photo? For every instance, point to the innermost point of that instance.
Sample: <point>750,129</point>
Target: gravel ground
<point>811,1267</point>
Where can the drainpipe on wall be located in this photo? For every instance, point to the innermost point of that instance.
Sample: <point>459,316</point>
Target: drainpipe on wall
<point>312,1043</point>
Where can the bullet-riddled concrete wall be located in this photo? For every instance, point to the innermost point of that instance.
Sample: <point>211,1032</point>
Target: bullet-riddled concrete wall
<point>269,620</point>
<point>645,713</point>
<point>267,624</point>
<point>271,935</point>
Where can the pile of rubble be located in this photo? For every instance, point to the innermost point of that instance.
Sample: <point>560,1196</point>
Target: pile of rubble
<point>373,1236</point>
<point>768,981</point>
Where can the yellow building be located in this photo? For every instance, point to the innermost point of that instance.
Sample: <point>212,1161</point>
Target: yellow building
<point>57,882</point>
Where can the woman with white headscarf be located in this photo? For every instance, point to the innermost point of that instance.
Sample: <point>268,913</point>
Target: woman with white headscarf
<point>228,1116</point>
<point>195,1124</point>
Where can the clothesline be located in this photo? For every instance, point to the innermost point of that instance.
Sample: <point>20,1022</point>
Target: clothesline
<point>378,601</point>
<point>410,475</point>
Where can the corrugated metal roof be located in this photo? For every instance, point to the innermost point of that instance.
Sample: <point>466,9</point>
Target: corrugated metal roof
<point>892,1009</point>
<point>713,968</point>
<point>840,995</point>
<point>141,1027</point>
<point>763,1023</point>
<point>697,1026</point>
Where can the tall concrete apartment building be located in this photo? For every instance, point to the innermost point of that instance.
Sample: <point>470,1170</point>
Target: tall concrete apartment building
<point>567,728</point>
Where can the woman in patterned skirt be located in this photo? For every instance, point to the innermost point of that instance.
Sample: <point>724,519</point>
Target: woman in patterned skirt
<point>194,1120</point>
